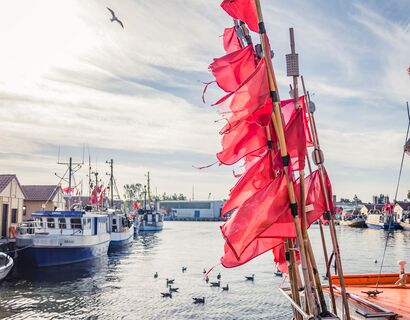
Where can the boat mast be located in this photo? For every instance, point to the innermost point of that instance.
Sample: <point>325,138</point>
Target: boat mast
<point>72,167</point>
<point>149,191</point>
<point>111,163</point>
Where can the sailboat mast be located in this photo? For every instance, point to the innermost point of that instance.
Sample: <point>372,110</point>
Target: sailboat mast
<point>112,182</point>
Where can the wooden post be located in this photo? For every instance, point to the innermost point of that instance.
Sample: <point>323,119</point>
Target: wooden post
<point>332,227</point>
<point>277,121</point>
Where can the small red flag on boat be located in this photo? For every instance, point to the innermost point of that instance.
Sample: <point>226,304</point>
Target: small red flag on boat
<point>136,205</point>
<point>231,41</point>
<point>234,68</point>
<point>68,190</point>
<point>244,10</point>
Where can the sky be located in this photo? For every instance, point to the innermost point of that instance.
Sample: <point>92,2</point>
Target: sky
<point>70,78</point>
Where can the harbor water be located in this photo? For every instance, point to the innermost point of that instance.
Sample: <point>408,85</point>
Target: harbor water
<point>122,284</point>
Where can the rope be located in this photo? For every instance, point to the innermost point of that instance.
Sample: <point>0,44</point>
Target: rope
<point>395,201</point>
<point>19,249</point>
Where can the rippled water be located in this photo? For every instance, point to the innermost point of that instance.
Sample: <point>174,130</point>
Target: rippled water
<point>122,286</point>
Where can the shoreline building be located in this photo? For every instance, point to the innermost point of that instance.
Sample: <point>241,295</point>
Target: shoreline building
<point>191,210</point>
<point>42,197</point>
<point>12,198</point>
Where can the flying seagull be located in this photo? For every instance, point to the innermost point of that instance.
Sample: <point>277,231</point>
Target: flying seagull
<point>114,18</point>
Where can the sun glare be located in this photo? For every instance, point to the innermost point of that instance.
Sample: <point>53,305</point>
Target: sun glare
<point>38,36</point>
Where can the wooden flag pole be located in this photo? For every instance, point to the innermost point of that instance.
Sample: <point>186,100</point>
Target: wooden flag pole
<point>293,270</point>
<point>308,245</point>
<point>277,121</point>
<point>319,162</point>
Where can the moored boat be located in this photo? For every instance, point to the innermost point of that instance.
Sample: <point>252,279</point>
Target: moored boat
<point>151,221</point>
<point>377,219</point>
<point>62,237</point>
<point>6,264</point>
<point>121,229</point>
<point>374,296</point>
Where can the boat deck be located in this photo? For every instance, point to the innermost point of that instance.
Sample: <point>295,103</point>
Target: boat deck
<point>393,298</point>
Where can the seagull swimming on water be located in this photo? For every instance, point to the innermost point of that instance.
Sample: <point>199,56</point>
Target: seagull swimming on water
<point>114,17</point>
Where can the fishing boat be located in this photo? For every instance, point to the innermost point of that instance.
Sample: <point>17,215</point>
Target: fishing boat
<point>62,237</point>
<point>6,264</point>
<point>405,222</point>
<point>121,229</point>
<point>149,219</point>
<point>377,219</point>
<point>353,221</point>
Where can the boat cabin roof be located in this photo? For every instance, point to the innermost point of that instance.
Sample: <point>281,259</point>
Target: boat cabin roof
<point>65,214</point>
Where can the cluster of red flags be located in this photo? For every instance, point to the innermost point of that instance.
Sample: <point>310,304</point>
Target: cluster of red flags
<point>97,195</point>
<point>259,200</point>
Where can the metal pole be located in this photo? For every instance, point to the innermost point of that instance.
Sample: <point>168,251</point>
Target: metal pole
<point>112,182</point>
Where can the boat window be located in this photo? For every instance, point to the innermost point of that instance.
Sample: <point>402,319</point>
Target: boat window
<point>62,223</point>
<point>76,223</point>
<point>50,223</point>
<point>87,224</point>
<point>39,222</point>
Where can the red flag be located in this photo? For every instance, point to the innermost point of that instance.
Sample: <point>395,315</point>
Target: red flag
<point>231,41</point>
<point>241,141</point>
<point>244,10</point>
<point>68,190</point>
<point>258,213</point>
<point>254,179</point>
<point>136,205</point>
<point>234,68</point>
<point>250,96</point>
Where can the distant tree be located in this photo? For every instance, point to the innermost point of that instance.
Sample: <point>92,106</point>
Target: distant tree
<point>132,193</point>
<point>174,196</point>
<point>408,195</point>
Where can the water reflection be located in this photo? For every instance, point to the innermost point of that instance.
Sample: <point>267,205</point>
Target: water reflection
<point>122,286</point>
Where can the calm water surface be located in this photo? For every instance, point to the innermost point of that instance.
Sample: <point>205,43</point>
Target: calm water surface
<point>122,286</point>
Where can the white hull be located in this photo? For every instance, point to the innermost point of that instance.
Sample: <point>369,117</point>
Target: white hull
<point>5,269</point>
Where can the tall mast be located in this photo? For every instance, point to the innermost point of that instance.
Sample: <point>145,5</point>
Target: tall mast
<point>72,167</point>
<point>149,190</point>
<point>111,163</point>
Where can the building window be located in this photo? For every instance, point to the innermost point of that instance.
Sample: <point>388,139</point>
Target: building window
<point>61,223</point>
<point>13,215</point>
<point>50,223</point>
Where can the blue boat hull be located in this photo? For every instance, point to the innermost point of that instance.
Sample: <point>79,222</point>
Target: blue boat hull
<point>150,228</point>
<point>385,226</point>
<point>120,243</point>
<point>55,256</point>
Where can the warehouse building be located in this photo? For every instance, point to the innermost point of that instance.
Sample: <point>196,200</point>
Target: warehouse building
<point>191,210</point>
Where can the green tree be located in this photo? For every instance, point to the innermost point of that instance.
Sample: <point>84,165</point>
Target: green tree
<point>132,192</point>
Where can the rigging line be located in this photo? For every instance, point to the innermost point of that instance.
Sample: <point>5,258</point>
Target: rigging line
<point>58,184</point>
<point>395,200</point>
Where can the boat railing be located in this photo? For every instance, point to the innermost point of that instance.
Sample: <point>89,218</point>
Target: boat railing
<point>35,227</point>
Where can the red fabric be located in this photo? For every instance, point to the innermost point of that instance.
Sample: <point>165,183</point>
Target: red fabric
<point>295,143</point>
<point>262,210</point>
<point>288,109</point>
<point>136,205</point>
<point>231,41</point>
<point>241,141</point>
<point>279,256</point>
<point>264,220</point>
<point>244,10</point>
<point>254,179</point>
<point>68,190</point>
<point>250,96</point>
<point>234,68</point>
